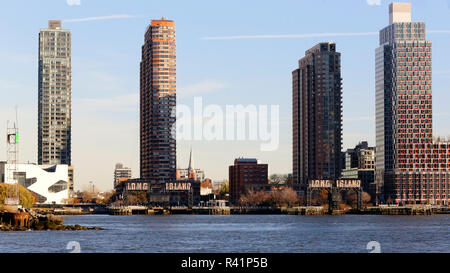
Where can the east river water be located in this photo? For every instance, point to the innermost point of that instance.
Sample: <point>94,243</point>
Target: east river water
<point>239,234</point>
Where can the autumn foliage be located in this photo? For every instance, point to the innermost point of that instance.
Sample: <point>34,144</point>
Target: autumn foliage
<point>26,198</point>
<point>286,197</point>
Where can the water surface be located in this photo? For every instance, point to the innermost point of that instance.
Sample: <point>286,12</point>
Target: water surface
<point>240,234</point>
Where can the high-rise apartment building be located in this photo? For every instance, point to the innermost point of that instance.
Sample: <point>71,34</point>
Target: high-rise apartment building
<point>158,102</point>
<point>410,168</point>
<point>55,88</point>
<point>317,115</point>
<point>121,173</point>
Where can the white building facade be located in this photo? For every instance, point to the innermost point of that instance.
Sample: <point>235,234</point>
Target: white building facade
<point>49,183</point>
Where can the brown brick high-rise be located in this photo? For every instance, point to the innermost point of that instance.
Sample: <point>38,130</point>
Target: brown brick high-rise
<point>317,115</point>
<point>158,102</point>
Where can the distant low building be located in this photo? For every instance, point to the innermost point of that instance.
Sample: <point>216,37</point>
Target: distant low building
<point>183,174</point>
<point>191,172</point>
<point>49,183</point>
<point>360,164</point>
<point>246,174</point>
<point>121,173</point>
<point>217,185</point>
<point>170,193</point>
<point>206,187</point>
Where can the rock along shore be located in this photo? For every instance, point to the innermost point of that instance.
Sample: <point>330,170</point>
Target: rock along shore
<point>23,220</point>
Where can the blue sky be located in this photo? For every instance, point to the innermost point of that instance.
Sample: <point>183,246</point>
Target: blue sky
<point>106,54</point>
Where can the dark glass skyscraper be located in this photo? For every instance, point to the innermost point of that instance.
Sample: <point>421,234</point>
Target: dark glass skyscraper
<point>317,115</point>
<point>158,102</point>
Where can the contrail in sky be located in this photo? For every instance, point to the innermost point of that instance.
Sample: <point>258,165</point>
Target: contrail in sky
<point>99,18</point>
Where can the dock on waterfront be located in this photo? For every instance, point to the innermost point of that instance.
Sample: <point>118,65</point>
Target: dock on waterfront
<point>403,210</point>
<point>304,210</point>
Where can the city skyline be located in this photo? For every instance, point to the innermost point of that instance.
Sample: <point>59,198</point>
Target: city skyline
<point>94,103</point>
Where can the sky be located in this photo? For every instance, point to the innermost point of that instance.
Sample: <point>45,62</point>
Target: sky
<point>228,53</point>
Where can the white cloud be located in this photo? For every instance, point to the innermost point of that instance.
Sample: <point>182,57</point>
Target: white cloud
<point>12,85</point>
<point>130,102</point>
<point>441,72</point>
<point>442,114</point>
<point>439,31</point>
<point>99,18</point>
<point>200,88</point>
<point>373,2</point>
<point>73,2</point>
<point>368,118</point>
<point>122,103</point>
<point>98,143</point>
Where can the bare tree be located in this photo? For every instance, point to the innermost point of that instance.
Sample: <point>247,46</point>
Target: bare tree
<point>278,179</point>
<point>320,198</point>
<point>276,197</point>
<point>366,197</point>
<point>351,198</point>
<point>256,198</point>
<point>224,190</point>
<point>289,196</point>
<point>243,201</point>
<point>86,196</point>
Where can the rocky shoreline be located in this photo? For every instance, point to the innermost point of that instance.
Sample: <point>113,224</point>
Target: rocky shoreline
<point>25,220</point>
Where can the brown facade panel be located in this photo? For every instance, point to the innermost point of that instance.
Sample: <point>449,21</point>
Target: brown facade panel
<point>158,102</point>
<point>317,115</point>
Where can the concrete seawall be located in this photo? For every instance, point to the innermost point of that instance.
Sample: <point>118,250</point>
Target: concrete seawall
<point>281,210</point>
<point>414,210</point>
<point>313,210</point>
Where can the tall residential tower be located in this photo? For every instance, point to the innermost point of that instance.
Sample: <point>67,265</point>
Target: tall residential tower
<point>158,102</point>
<point>317,115</point>
<point>410,167</point>
<point>55,88</point>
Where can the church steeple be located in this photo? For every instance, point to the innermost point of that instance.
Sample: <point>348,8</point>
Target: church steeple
<point>191,170</point>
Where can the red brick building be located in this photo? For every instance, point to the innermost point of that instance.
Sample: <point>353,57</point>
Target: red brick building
<point>426,183</point>
<point>246,174</point>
